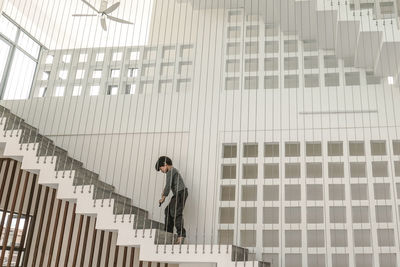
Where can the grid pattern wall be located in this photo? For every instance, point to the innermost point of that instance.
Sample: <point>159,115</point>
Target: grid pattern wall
<point>114,71</point>
<point>260,56</point>
<point>327,203</point>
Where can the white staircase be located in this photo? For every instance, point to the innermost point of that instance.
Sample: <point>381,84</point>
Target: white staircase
<point>92,197</point>
<point>357,36</point>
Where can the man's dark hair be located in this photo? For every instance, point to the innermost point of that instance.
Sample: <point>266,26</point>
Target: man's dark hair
<point>162,161</point>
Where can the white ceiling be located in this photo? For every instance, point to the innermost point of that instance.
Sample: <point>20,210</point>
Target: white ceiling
<point>51,22</point>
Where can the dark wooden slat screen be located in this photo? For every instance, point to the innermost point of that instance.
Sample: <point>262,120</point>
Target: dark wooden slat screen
<point>51,235</point>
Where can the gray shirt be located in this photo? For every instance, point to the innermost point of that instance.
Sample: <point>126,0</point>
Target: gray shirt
<point>174,182</point>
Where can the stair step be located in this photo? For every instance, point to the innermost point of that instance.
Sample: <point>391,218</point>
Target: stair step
<point>264,264</point>
<point>161,237</point>
<point>121,207</point>
<point>142,223</point>
<point>239,253</point>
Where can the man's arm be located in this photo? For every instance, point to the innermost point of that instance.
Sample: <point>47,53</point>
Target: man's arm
<point>166,190</point>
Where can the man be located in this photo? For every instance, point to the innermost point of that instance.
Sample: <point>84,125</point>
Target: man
<point>174,210</point>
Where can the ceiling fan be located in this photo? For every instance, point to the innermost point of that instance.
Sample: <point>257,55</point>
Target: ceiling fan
<point>103,13</point>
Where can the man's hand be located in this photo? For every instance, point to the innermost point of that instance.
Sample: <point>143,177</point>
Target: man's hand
<point>161,200</point>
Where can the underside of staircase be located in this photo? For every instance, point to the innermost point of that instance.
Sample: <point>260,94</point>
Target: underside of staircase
<point>38,154</point>
<point>357,36</point>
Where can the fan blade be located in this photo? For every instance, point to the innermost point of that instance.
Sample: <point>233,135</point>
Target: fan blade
<point>103,23</point>
<point>92,7</point>
<point>119,20</point>
<point>84,15</point>
<point>111,8</point>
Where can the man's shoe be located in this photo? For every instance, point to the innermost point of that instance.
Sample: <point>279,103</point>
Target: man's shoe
<point>180,240</point>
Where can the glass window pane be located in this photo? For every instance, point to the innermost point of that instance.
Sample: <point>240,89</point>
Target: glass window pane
<point>29,45</point>
<point>7,28</point>
<point>17,87</point>
<point>4,50</point>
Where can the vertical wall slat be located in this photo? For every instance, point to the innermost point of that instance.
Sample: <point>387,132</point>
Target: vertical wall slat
<point>132,258</point>
<point>53,237</point>
<point>62,232</point>
<point>115,262</point>
<point>46,234</point>
<point>35,253</point>
<point>30,222</point>
<point>93,245</point>
<point>85,238</point>
<point>71,232</point>
<point>100,248</point>
<point>124,257</point>
<point>107,260</point>
<point>19,214</point>
<point>78,240</point>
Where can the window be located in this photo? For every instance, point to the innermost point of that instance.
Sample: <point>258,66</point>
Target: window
<point>396,147</point>
<point>313,149</point>
<point>234,32</point>
<point>133,72</point>
<point>335,148</point>
<point>356,148</point>
<point>83,58</point>
<point>271,64</point>
<point>117,56</point>
<point>115,73</point>
<point>130,89</point>
<point>4,53</point>
<point>311,80</point>
<point>112,90</point>
<point>42,91</point>
<point>25,59</point>
<point>378,148</point>
<point>332,79</point>
<point>45,75</point>
<point>291,81</point>
<point>250,171</point>
<point>229,171</point>
<point>251,48</point>
<point>352,78</point>
<point>29,45</point>
<point>100,57</point>
<point>229,151</point>
<point>17,88</point>
<point>63,74</point>
<point>311,62</point>
<point>134,55</point>
<point>271,150</point>
<point>80,74</point>
<point>94,90</point>
<point>59,91</point>
<point>18,226</point>
<point>77,90</point>
<point>330,62</point>
<point>291,63</point>
<point>8,28</point>
<point>271,170</point>
<point>49,59</point>
<point>290,46</point>
<point>96,74</point>
<point>292,149</point>
<point>66,58</point>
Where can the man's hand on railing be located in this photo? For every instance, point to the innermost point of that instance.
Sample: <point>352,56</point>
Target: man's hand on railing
<point>161,200</point>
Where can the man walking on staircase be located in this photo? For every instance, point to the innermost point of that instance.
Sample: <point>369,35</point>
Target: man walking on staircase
<point>174,210</point>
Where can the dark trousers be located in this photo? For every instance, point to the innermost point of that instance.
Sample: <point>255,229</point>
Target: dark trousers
<point>174,213</point>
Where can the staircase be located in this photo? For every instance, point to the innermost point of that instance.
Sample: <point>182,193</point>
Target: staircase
<point>93,197</point>
<point>357,36</point>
